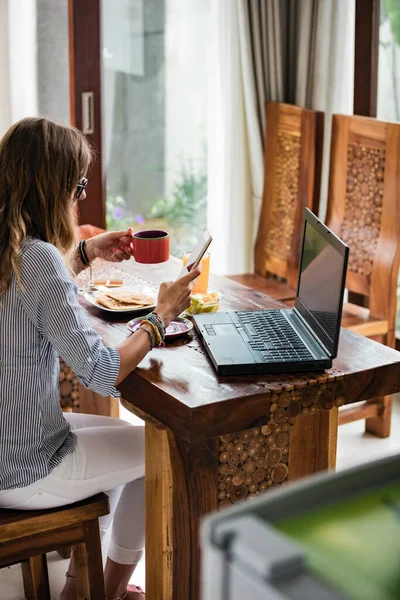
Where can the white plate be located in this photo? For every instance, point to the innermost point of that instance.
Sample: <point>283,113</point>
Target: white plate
<point>139,289</point>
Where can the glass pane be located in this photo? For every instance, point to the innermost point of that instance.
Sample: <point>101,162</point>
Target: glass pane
<point>389,74</point>
<point>389,62</point>
<point>155,106</point>
<point>34,59</point>
<point>52,60</point>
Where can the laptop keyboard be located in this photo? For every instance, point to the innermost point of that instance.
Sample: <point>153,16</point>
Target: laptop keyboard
<point>271,335</point>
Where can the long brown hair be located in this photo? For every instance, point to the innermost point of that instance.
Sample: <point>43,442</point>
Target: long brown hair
<point>41,163</point>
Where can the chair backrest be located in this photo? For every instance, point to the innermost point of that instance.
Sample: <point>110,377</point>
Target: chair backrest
<point>364,206</point>
<point>292,174</point>
<point>84,232</point>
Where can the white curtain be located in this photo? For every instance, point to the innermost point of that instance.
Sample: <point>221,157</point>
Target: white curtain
<point>296,51</point>
<point>330,80</point>
<point>230,206</point>
<point>18,78</point>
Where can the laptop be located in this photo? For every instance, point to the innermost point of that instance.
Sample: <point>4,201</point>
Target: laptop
<point>303,338</point>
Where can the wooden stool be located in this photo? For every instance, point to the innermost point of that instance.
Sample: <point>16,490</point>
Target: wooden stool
<point>27,535</point>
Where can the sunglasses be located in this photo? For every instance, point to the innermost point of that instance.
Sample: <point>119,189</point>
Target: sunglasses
<point>80,187</point>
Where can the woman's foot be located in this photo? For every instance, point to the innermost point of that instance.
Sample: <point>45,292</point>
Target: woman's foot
<point>135,592</point>
<point>69,590</point>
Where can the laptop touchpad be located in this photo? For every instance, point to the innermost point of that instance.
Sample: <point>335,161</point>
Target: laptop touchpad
<point>225,329</point>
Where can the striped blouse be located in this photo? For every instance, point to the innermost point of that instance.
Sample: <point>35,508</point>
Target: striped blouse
<point>38,324</point>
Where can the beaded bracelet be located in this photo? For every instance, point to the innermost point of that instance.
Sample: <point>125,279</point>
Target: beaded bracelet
<point>159,326</point>
<point>158,322</point>
<point>157,334</point>
<point>150,333</point>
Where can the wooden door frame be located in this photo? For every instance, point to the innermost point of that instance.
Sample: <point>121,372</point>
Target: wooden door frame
<point>366,50</point>
<point>86,76</point>
<point>366,54</point>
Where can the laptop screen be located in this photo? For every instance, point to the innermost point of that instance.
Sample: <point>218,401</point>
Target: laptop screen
<point>321,281</point>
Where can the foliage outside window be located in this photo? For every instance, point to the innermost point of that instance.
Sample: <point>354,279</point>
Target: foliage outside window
<point>183,214</point>
<point>389,61</point>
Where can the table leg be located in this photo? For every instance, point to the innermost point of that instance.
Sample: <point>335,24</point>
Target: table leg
<point>184,481</point>
<point>181,486</point>
<point>313,442</point>
<point>380,425</point>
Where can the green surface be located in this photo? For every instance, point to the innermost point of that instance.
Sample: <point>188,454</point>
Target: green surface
<point>354,545</point>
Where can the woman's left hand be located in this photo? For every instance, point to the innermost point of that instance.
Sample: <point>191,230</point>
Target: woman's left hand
<point>114,246</point>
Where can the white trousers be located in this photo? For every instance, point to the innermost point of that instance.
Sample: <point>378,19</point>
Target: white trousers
<point>109,457</point>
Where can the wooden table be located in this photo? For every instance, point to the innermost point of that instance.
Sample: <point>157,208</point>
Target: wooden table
<point>212,441</point>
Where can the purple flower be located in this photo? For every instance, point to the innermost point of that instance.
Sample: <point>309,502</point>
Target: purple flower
<point>139,219</point>
<point>118,212</point>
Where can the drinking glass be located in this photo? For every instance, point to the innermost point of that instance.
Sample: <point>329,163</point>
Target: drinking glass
<point>201,285</point>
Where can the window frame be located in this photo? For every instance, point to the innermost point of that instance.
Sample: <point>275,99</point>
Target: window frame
<point>86,75</point>
<point>366,52</point>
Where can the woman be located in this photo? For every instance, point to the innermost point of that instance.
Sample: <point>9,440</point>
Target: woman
<point>48,458</point>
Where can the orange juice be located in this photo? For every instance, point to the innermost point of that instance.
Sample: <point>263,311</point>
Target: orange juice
<point>201,285</point>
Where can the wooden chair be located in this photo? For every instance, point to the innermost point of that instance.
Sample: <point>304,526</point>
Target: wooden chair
<point>292,170</point>
<point>27,535</point>
<point>364,210</point>
<point>84,232</point>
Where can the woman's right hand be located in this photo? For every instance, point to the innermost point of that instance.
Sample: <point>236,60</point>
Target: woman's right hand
<point>174,297</point>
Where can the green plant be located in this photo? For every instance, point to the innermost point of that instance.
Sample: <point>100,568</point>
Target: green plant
<point>390,10</point>
<point>393,12</point>
<point>117,216</point>
<point>186,211</point>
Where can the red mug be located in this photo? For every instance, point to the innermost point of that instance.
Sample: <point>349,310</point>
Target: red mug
<point>151,246</point>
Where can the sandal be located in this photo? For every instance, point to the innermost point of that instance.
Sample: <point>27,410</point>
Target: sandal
<point>137,589</point>
<point>131,588</point>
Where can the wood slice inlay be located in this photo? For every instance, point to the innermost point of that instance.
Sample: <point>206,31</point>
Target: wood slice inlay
<point>363,208</point>
<point>283,213</point>
<point>254,461</point>
<point>69,389</point>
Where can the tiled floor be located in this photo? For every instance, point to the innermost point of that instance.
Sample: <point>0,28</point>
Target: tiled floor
<point>354,447</point>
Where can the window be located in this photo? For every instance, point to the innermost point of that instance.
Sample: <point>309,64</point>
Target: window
<point>34,74</point>
<point>52,60</point>
<point>389,61</point>
<point>389,75</point>
<point>156,64</point>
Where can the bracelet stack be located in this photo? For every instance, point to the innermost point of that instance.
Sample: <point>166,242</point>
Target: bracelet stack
<point>83,253</point>
<point>150,333</point>
<point>154,326</point>
<point>158,322</point>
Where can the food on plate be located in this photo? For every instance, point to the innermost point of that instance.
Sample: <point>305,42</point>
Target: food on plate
<point>129,297</point>
<point>108,282</point>
<point>204,303</point>
<point>115,299</point>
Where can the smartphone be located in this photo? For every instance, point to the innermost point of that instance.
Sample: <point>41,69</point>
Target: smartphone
<point>197,254</point>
